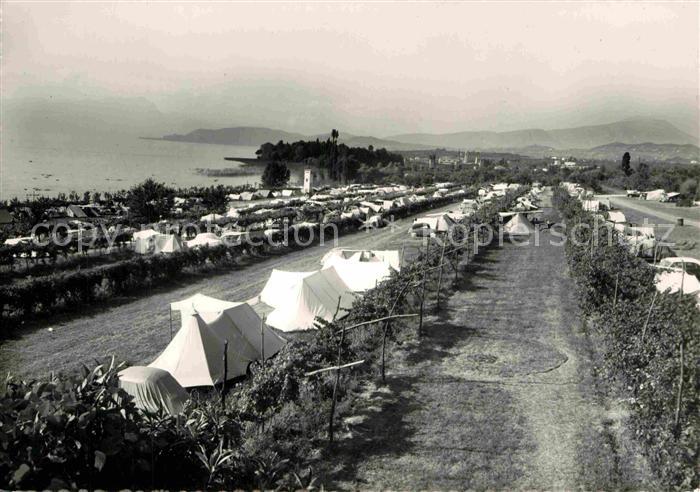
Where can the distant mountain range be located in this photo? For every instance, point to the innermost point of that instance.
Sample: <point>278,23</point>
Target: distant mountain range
<point>646,138</point>
<point>633,131</point>
<point>645,151</point>
<point>255,136</point>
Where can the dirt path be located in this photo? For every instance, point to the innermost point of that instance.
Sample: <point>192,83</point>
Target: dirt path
<point>497,394</point>
<point>137,328</point>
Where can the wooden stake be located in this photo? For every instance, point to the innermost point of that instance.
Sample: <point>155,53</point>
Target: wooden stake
<point>386,330</point>
<point>442,255</point>
<point>337,308</point>
<point>679,395</point>
<point>262,340</point>
<point>646,323</point>
<point>335,387</point>
<point>422,301</point>
<point>223,386</point>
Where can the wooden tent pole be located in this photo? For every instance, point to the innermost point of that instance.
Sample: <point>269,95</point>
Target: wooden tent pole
<point>442,255</point>
<point>223,386</point>
<point>170,313</point>
<point>262,340</point>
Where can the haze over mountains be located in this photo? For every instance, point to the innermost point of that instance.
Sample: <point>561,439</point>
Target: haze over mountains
<point>648,138</point>
<point>584,137</point>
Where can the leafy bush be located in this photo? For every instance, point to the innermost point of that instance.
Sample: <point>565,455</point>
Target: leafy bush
<point>644,335</point>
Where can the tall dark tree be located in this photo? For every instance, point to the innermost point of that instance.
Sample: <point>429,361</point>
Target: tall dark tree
<point>334,154</point>
<point>276,174</point>
<point>625,164</point>
<point>149,200</point>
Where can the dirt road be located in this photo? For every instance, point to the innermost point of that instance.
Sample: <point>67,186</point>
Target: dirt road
<point>498,394</point>
<point>137,329</point>
<point>664,211</point>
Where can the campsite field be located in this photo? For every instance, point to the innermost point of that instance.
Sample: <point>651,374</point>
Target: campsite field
<point>499,393</point>
<point>664,214</point>
<point>137,329</point>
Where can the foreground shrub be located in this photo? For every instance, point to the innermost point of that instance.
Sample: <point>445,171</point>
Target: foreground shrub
<point>650,348</point>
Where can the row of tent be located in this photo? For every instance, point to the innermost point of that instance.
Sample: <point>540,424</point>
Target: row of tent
<point>150,241</point>
<point>675,274</point>
<point>248,331</point>
<point>292,301</point>
<point>658,195</point>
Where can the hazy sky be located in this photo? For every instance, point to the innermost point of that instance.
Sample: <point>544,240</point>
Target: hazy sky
<point>370,68</point>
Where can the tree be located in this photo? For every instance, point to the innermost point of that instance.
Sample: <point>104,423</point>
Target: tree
<point>149,200</point>
<point>640,181</point>
<point>38,208</point>
<point>276,174</point>
<point>689,190</point>
<point>625,164</point>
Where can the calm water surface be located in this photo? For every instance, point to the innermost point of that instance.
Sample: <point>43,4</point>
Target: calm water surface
<point>50,166</point>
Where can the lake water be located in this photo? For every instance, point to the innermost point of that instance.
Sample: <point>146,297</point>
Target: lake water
<point>49,166</point>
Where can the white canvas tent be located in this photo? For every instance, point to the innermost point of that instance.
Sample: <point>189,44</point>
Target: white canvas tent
<point>236,322</point>
<point>360,276</point>
<point>233,213</point>
<point>144,241</point>
<point>205,239</point>
<point>302,296</point>
<point>436,223</point>
<point>279,284</point>
<point>168,243</point>
<point>591,205</point>
<point>202,303</point>
<point>153,389</point>
<point>363,255</point>
<point>616,217</point>
<point>215,218</point>
<point>195,355</point>
<point>518,226</point>
<point>656,195</point>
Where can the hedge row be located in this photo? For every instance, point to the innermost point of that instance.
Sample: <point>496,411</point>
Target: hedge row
<point>49,294</point>
<point>650,345</point>
<point>82,431</point>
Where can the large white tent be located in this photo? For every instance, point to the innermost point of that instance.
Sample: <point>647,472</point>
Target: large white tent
<point>616,217</point>
<point>144,241</point>
<point>205,239</point>
<point>299,297</point>
<point>436,223</point>
<point>168,243</point>
<point>364,255</point>
<point>518,226</point>
<point>216,218</point>
<point>656,195</point>
<point>360,276</point>
<point>236,322</point>
<point>153,389</point>
<point>195,355</point>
